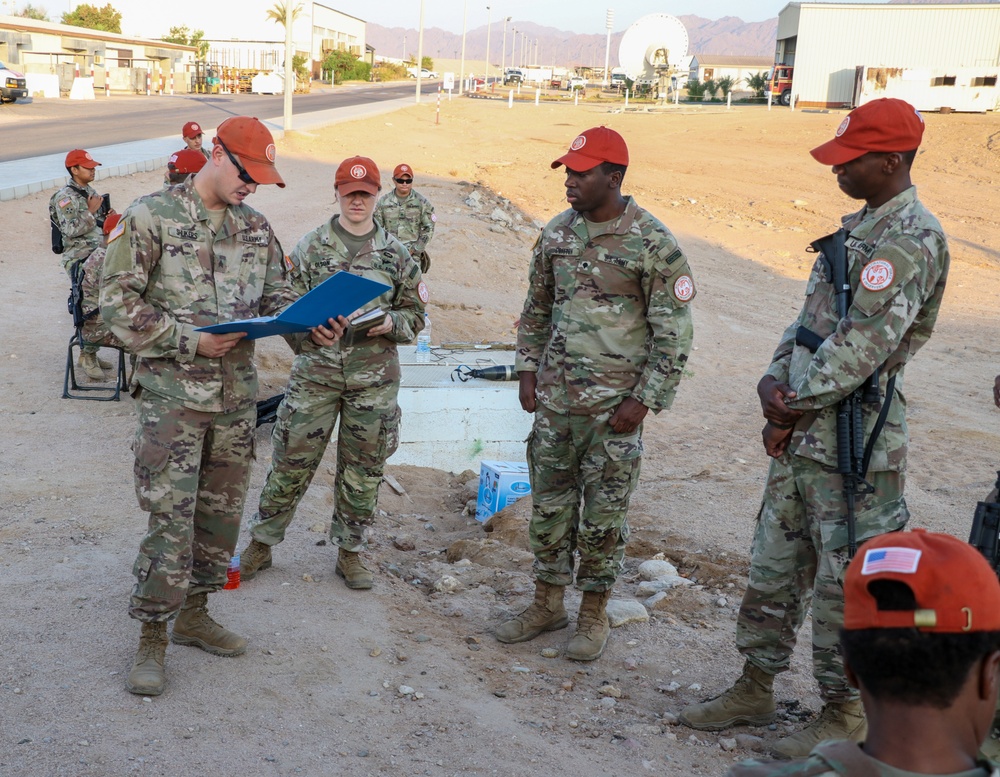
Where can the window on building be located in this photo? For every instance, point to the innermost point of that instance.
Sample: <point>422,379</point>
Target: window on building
<point>943,81</point>
<point>985,81</point>
<point>709,73</point>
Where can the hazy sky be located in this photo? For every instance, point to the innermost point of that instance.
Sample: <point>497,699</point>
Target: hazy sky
<point>245,18</point>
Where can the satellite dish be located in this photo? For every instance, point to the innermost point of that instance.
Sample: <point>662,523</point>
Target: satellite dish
<point>655,42</point>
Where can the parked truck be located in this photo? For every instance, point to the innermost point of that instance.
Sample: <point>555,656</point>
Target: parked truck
<point>779,84</point>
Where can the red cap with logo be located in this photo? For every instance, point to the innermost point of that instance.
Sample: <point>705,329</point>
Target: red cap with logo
<point>954,586</point>
<point>186,161</point>
<point>402,169</point>
<point>882,125</point>
<point>191,130</point>
<point>357,174</point>
<point>80,158</point>
<point>111,221</point>
<point>247,138</point>
<point>592,147</point>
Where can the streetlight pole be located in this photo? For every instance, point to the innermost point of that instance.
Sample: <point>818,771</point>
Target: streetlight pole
<point>420,50</point>
<point>465,18</point>
<point>487,81</point>
<point>503,49</point>
<point>609,23</point>
<point>513,45</point>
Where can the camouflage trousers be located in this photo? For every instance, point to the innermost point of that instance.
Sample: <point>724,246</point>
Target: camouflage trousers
<point>798,557</point>
<point>191,475</point>
<point>89,344</point>
<point>574,457</point>
<point>369,434</point>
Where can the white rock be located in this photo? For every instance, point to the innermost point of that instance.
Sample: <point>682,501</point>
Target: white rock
<point>404,690</point>
<point>621,612</point>
<point>654,568</point>
<point>727,744</point>
<point>722,601</point>
<point>447,584</point>
<point>657,601</point>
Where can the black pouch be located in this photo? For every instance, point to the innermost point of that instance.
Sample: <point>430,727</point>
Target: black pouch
<point>57,241</point>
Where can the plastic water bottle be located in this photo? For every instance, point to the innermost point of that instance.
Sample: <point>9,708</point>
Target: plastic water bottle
<point>233,572</point>
<point>424,342</point>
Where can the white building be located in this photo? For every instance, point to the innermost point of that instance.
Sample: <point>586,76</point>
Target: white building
<point>841,51</point>
<point>715,66</point>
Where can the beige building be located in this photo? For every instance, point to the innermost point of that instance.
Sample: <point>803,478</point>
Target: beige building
<point>52,55</point>
<point>716,66</point>
<point>945,50</point>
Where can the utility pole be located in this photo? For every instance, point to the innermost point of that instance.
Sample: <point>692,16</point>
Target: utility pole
<point>420,49</point>
<point>609,23</point>
<point>465,18</point>
<point>503,49</point>
<point>487,81</point>
<point>289,67</point>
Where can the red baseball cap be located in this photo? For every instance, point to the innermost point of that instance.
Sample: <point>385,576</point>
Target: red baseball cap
<point>186,161</point>
<point>955,588</point>
<point>593,146</point>
<point>191,130</point>
<point>111,221</point>
<point>882,125</point>
<point>80,158</point>
<point>401,169</point>
<point>357,174</point>
<point>251,141</point>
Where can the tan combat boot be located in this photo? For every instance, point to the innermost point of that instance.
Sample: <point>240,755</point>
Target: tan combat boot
<point>194,626</point>
<point>255,558</point>
<point>749,702</point>
<point>91,367</point>
<point>546,613</point>
<point>837,720</point>
<point>146,677</point>
<point>350,567</point>
<point>592,627</point>
<point>104,363</point>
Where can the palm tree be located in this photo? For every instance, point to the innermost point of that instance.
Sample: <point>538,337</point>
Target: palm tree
<point>279,13</point>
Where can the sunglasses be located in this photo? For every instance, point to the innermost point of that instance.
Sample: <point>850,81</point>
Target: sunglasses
<point>241,173</point>
<point>403,180</point>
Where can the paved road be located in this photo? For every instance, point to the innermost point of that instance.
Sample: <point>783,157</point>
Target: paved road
<point>40,127</point>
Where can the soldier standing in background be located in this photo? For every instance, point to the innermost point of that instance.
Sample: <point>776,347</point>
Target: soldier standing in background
<point>407,215</point>
<point>188,257</point>
<point>897,264</point>
<point>355,378</point>
<point>193,135</point>
<point>76,212</point>
<point>604,337</point>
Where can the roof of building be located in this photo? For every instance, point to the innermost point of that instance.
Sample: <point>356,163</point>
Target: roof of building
<point>20,24</point>
<point>727,60</point>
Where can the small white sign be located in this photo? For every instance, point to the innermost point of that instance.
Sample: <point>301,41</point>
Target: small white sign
<point>449,81</point>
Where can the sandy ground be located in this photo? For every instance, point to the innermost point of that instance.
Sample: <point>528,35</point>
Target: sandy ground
<point>318,691</point>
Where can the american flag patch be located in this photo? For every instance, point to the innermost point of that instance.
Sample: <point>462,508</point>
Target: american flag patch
<point>902,560</point>
<point>64,202</point>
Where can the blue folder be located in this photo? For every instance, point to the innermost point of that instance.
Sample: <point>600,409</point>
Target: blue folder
<point>339,295</point>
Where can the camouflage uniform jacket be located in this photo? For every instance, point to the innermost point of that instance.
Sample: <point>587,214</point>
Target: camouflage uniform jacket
<point>320,254</point>
<point>80,232</point>
<point>901,250</point>
<point>606,318</point>
<point>166,274</point>
<point>833,759</point>
<point>411,220</point>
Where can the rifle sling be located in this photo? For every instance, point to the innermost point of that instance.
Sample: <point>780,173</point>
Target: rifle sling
<point>890,387</point>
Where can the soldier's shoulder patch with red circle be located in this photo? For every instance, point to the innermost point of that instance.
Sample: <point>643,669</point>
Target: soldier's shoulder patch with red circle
<point>422,292</point>
<point>877,275</point>
<point>684,288</point>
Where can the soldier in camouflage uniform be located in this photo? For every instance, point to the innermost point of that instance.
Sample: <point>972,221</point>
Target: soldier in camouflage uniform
<point>94,329</point>
<point>897,264</point>
<point>189,257</point>
<point>604,337</point>
<point>355,377</point>
<point>407,215</point>
<point>192,134</point>
<point>921,639</point>
<point>75,210</point>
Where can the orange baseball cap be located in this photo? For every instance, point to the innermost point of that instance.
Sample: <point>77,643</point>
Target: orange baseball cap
<point>402,169</point>
<point>80,158</point>
<point>251,141</point>
<point>882,125</point>
<point>191,130</point>
<point>186,161</point>
<point>357,174</point>
<point>111,221</point>
<point>592,147</point>
<point>955,588</point>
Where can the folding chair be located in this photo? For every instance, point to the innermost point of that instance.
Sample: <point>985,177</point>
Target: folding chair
<point>102,392</point>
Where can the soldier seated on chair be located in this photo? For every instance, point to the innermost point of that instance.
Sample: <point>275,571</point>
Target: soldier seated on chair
<point>94,330</point>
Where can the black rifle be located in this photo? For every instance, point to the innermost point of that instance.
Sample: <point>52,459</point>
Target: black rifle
<point>985,533</point>
<point>853,455</point>
<point>267,409</point>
